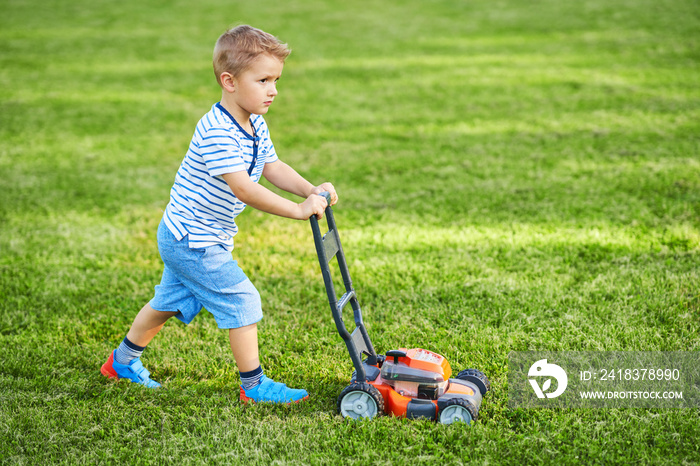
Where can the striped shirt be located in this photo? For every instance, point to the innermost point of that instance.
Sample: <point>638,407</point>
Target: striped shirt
<point>202,206</point>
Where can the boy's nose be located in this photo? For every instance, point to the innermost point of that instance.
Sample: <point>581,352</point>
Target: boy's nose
<point>273,90</point>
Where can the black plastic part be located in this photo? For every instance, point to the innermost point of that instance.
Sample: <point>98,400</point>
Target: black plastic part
<point>473,410</point>
<point>363,387</point>
<point>476,377</point>
<point>421,409</point>
<point>396,354</point>
<point>356,338</point>
<point>371,372</point>
<point>466,383</point>
<point>448,399</point>
<point>427,392</point>
<point>442,401</point>
<point>380,360</point>
<point>392,371</point>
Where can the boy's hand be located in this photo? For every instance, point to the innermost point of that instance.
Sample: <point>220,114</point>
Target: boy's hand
<point>326,187</point>
<point>313,205</point>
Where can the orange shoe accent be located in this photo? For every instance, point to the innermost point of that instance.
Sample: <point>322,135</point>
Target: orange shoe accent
<point>107,370</point>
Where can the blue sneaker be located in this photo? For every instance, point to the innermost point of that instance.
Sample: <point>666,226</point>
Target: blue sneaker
<point>269,391</point>
<point>134,371</point>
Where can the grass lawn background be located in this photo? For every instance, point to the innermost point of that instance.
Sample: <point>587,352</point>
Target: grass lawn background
<point>513,176</point>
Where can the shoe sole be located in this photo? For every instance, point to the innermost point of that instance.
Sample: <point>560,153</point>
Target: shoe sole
<point>245,399</point>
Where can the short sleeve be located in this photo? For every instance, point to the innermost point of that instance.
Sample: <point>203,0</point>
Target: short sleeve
<point>271,155</point>
<point>221,152</point>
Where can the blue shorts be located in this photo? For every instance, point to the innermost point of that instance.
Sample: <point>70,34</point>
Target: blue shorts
<point>207,277</point>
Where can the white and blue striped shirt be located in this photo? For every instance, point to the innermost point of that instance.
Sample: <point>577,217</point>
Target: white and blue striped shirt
<point>202,206</point>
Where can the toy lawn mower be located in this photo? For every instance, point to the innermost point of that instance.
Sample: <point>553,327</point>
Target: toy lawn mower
<point>415,383</point>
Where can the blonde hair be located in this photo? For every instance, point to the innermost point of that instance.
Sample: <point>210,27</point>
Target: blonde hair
<point>238,48</point>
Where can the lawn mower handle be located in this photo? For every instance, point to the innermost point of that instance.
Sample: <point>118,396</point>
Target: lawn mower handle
<point>327,247</point>
<point>327,195</point>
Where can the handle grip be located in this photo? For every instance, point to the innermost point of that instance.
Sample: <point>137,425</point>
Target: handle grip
<point>327,195</point>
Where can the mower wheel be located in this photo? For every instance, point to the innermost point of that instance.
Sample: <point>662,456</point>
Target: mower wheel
<point>458,410</point>
<point>359,400</point>
<point>476,377</point>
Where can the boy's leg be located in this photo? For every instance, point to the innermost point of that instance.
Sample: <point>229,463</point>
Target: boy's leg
<point>125,362</point>
<point>172,298</point>
<point>255,386</point>
<point>244,344</point>
<point>147,323</point>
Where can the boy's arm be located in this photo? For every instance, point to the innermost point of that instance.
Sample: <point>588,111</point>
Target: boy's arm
<point>261,198</point>
<point>285,177</point>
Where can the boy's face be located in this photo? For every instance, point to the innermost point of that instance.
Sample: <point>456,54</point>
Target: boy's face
<point>256,87</point>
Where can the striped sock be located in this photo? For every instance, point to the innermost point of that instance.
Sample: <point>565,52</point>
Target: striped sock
<point>251,379</point>
<point>127,352</point>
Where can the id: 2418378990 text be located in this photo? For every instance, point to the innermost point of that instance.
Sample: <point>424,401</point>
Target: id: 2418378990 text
<point>631,374</point>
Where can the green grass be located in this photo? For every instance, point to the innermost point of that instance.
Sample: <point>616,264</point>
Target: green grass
<point>513,176</point>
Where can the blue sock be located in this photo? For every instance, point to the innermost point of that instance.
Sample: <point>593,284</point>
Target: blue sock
<point>127,352</point>
<point>251,379</point>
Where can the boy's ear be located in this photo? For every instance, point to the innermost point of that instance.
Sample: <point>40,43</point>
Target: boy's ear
<point>228,82</point>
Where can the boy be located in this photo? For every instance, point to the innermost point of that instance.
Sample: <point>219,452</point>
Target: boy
<point>229,152</point>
